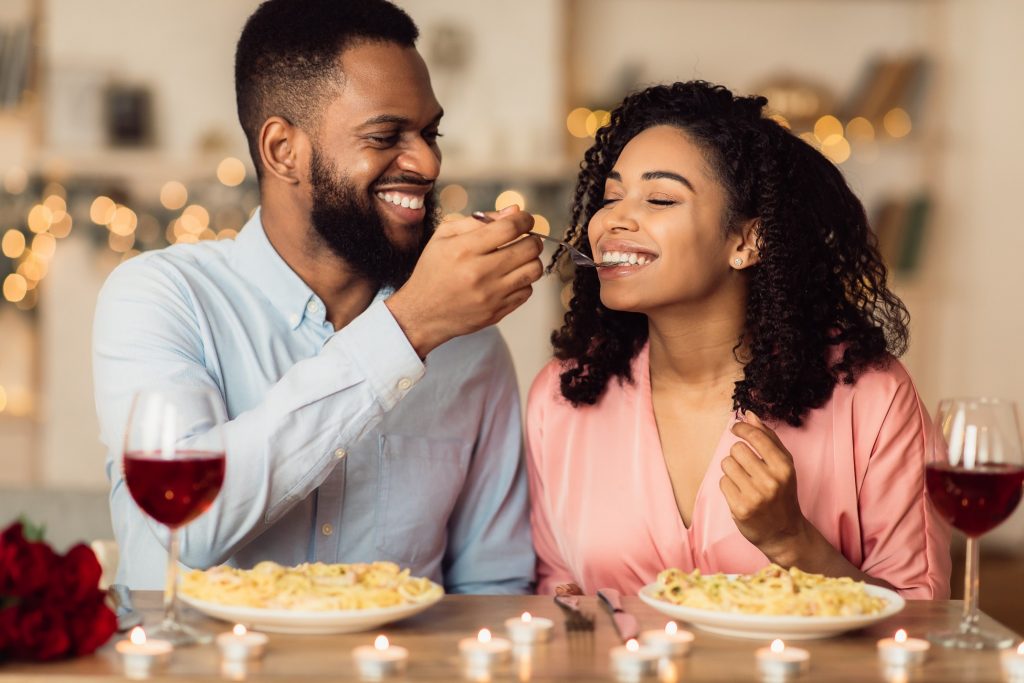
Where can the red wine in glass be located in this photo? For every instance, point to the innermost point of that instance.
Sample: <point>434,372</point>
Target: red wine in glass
<point>174,467</point>
<point>174,492</point>
<point>973,477</point>
<point>975,500</point>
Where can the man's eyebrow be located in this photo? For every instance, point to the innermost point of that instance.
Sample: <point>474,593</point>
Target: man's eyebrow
<point>656,175</point>
<point>394,119</point>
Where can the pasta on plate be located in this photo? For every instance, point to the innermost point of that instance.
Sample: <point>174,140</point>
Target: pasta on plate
<point>311,587</point>
<point>771,591</point>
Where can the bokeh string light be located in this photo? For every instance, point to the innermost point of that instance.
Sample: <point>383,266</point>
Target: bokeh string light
<point>36,215</point>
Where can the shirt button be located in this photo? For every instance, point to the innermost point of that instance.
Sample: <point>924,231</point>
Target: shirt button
<point>312,307</point>
<point>293,319</point>
<point>327,529</point>
<point>340,453</point>
<point>404,383</point>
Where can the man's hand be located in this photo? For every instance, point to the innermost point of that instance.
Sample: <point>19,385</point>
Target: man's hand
<point>470,275</point>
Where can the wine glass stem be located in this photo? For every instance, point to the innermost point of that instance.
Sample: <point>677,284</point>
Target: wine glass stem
<point>171,586</point>
<point>969,620</point>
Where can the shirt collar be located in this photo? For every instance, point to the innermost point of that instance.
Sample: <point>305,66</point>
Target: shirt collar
<point>257,261</point>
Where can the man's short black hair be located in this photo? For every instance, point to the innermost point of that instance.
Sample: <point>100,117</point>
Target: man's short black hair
<point>287,60</point>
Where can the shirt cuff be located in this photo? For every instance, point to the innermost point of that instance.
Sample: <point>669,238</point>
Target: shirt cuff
<point>380,348</point>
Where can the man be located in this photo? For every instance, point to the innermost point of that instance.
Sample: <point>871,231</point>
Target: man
<point>373,412</point>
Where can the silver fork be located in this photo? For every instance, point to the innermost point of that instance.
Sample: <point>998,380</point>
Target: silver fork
<point>577,256</point>
<point>575,618</point>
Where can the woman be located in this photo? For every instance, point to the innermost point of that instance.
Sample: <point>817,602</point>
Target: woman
<point>728,396</point>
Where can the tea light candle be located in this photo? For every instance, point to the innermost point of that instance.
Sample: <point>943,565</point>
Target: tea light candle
<point>484,650</point>
<point>141,656</point>
<point>380,660</point>
<point>901,650</point>
<point>1013,663</point>
<point>631,661</point>
<point>529,629</point>
<point>668,643</point>
<point>779,661</point>
<point>240,643</point>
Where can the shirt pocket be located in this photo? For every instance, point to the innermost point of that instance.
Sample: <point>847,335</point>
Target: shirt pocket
<point>420,481</point>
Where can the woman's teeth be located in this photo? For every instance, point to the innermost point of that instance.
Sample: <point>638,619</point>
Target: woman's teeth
<point>403,200</point>
<point>625,258</point>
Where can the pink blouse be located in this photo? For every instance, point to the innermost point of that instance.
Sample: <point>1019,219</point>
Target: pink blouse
<point>604,514</point>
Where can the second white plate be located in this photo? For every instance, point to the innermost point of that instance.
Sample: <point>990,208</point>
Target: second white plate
<point>769,627</point>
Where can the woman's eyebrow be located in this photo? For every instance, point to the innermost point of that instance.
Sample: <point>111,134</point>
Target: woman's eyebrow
<point>668,175</point>
<point>656,175</point>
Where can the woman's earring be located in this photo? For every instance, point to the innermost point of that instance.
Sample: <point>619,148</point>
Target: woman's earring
<point>738,262</point>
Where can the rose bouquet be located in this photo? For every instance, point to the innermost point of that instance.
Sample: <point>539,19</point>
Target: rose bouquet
<point>50,605</point>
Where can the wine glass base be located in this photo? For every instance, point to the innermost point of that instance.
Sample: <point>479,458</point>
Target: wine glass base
<point>972,640</point>
<point>179,635</point>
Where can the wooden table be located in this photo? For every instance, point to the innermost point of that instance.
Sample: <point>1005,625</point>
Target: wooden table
<point>432,639</point>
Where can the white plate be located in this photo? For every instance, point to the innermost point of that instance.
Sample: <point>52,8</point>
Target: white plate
<point>293,621</point>
<point>769,627</point>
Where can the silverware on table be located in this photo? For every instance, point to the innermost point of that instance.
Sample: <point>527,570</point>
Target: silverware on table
<point>127,616</point>
<point>575,618</point>
<point>577,256</point>
<point>625,623</point>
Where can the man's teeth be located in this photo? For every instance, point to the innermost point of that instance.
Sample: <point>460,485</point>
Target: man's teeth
<point>625,258</point>
<point>403,200</point>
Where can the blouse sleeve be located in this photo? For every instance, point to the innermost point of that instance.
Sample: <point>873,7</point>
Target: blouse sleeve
<point>551,567</point>
<point>904,541</point>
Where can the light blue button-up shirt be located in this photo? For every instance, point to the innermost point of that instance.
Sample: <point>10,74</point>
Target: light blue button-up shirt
<point>342,446</point>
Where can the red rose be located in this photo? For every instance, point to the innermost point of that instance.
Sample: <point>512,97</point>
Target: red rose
<point>75,576</point>
<point>8,629</point>
<point>12,543</point>
<point>50,605</point>
<point>41,633</point>
<point>91,624</point>
<point>27,563</point>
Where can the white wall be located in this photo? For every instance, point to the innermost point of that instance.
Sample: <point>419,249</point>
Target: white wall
<point>183,50</point>
<point>979,284</point>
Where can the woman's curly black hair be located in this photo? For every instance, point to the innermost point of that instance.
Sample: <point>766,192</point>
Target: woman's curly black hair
<point>818,309</point>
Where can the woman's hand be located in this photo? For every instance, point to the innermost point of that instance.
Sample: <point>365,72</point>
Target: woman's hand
<point>760,488</point>
<point>568,589</point>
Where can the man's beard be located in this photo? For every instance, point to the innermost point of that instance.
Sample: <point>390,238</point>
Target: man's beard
<point>352,227</point>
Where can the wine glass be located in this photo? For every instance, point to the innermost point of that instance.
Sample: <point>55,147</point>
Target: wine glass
<point>174,468</point>
<point>974,479</point>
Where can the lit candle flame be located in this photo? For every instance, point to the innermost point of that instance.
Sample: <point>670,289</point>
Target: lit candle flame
<point>901,636</point>
<point>778,646</point>
<point>671,628</point>
<point>527,618</point>
<point>138,636</point>
<point>632,645</point>
<point>484,636</point>
<point>381,643</point>
<point>1020,649</point>
<point>239,630</point>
